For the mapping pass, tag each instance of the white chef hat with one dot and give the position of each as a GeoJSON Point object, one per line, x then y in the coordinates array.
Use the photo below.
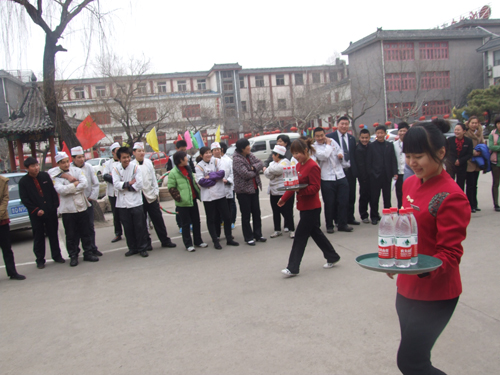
{"type": "Point", "coordinates": [114, 145]}
{"type": "Point", "coordinates": [138, 146]}
{"type": "Point", "coordinates": [279, 150]}
{"type": "Point", "coordinates": [60, 156]}
{"type": "Point", "coordinates": [215, 145]}
{"type": "Point", "coordinates": [77, 151]}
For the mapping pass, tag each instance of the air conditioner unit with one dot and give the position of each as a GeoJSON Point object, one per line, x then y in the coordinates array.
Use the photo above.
{"type": "Point", "coordinates": [489, 74]}
{"type": "Point", "coordinates": [489, 68]}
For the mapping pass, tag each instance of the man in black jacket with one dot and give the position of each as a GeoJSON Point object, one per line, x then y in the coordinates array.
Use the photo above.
{"type": "Point", "coordinates": [382, 168]}
{"type": "Point", "coordinates": [363, 178]}
{"type": "Point", "coordinates": [38, 195]}
{"type": "Point", "coordinates": [348, 145]}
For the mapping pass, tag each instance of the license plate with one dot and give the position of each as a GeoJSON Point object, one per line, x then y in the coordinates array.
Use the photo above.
{"type": "Point", "coordinates": [18, 210]}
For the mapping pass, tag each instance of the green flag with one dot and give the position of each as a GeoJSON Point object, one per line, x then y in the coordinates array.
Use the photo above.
{"type": "Point", "coordinates": [195, 143]}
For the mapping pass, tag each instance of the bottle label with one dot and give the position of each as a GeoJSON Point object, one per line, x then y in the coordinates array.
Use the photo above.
{"type": "Point", "coordinates": [414, 247]}
{"type": "Point", "coordinates": [385, 247]}
{"type": "Point", "coordinates": [403, 248]}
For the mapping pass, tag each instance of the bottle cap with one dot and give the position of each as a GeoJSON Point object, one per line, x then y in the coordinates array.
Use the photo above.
{"type": "Point", "coordinates": [409, 210]}
{"type": "Point", "coordinates": [394, 209]}
{"type": "Point", "coordinates": [386, 211]}
{"type": "Point", "coordinates": [403, 211]}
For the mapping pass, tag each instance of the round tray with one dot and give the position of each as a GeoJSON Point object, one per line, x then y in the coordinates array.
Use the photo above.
{"type": "Point", "coordinates": [295, 187]}
{"type": "Point", "coordinates": [425, 263]}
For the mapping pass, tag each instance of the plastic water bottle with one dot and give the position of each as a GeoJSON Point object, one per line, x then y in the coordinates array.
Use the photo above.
{"type": "Point", "coordinates": [394, 214]}
{"type": "Point", "coordinates": [386, 240]}
{"type": "Point", "coordinates": [414, 236]}
{"type": "Point", "coordinates": [295, 177]}
{"type": "Point", "coordinates": [403, 240]}
{"type": "Point", "coordinates": [285, 177]}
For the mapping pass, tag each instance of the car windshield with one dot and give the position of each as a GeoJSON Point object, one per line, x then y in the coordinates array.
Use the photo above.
{"type": "Point", "coordinates": [148, 156]}
{"type": "Point", "coordinates": [93, 161]}
{"type": "Point", "coordinates": [14, 187]}
{"type": "Point", "coordinates": [230, 151]}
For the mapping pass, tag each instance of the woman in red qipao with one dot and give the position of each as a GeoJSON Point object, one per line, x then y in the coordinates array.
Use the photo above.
{"type": "Point", "coordinates": [425, 302]}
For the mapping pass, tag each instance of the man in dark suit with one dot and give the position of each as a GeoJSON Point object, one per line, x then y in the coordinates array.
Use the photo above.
{"type": "Point", "coordinates": [363, 177]}
{"type": "Point", "coordinates": [348, 145]}
{"type": "Point", "coordinates": [382, 168]}
{"type": "Point", "coordinates": [38, 195]}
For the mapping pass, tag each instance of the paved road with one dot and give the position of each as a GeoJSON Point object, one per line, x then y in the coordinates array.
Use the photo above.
{"type": "Point", "coordinates": [231, 312]}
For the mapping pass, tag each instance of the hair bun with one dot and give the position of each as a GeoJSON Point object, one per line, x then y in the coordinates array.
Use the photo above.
{"type": "Point", "coordinates": [442, 125]}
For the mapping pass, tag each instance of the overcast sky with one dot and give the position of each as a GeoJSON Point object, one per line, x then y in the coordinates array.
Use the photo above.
{"type": "Point", "coordinates": [193, 35]}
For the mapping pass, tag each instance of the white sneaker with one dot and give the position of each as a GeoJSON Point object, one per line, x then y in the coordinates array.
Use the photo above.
{"type": "Point", "coordinates": [330, 265]}
{"type": "Point", "coordinates": [287, 273]}
{"type": "Point", "coordinates": [203, 244]}
{"type": "Point", "coordinates": [292, 234]}
{"type": "Point", "coordinates": [276, 234]}
{"type": "Point", "coordinates": [191, 248]}
{"type": "Point", "coordinates": [286, 230]}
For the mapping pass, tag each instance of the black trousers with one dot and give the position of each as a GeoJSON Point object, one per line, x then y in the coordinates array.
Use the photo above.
{"type": "Point", "coordinates": [116, 218]}
{"type": "Point", "coordinates": [421, 323]}
{"type": "Point", "coordinates": [459, 175]}
{"type": "Point", "coordinates": [335, 197]}
{"type": "Point", "coordinates": [364, 198]}
{"type": "Point", "coordinates": [76, 227]}
{"type": "Point", "coordinates": [212, 209]}
{"type": "Point", "coordinates": [91, 224]}
{"type": "Point", "coordinates": [309, 226]}
{"type": "Point", "coordinates": [249, 205]}
{"type": "Point", "coordinates": [232, 212]}
{"type": "Point", "coordinates": [351, 180]}
{"type": "Point", "coordinates": [48, 224]}
{"type": "Point", "coordinates": [286, 211]}
{"type": "Point", "coordinates": [495, 174]}
{"type": "Point", "coordinates": [190, 216]}
{"type": "Point", "coordinates": [134, 226]}
{"type": "Point", "coordinates": [8, 255]}
{"type": "Point", "coordinates": [376, 185]}
{"type": "Point", "coordinates": [154, 211]}
{"type": "Point", "coordinates": [471, 189]}
{"type": "Point", "coordinates": [178, 218]}
{"type": "Point", "coordinates": [399, 190]}
{"type": "Point", "coordinates": [232, 208]}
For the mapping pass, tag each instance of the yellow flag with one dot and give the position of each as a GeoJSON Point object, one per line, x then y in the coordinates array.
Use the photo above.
{"type": "Point", "coordinates": [217, 135]}
{"type": "Point", "coordinates": [152, 140]}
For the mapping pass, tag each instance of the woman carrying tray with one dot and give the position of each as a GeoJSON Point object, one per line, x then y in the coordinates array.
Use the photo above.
{"type": "Point", "coordinates": [309, 205]}
{"type": "Point", "coordinates": [425, 302]}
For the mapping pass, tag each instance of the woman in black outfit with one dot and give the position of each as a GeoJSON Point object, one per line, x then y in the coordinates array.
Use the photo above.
{"type": "Point", "coordinates": [459, 151]}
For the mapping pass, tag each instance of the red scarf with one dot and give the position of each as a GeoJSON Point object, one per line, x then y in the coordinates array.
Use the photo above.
{"type": "Point", "coordinates": [185, 172]}
{"type": "Point", "coordinates": [459, 143]}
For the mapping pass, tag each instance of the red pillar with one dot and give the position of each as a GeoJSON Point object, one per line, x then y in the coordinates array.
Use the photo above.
{"type": "Point", "coordinates": [33, 149]}
{"type": "Point", "coordinates": [52, 151]}
{"type": "Point", "coordinates": [12, 156]}
{"type": "Point", "coordinates": [20, 153]}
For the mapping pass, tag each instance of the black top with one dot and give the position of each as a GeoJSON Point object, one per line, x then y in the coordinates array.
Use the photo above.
{"type": "Point", "coordinates": [361, 153]}
{"type": "Point", "coordinates": [381, 160]}
{"type": "Point", "coordinates": [31, 198]}
{"type": "Point", "coordinates": [464, 155]}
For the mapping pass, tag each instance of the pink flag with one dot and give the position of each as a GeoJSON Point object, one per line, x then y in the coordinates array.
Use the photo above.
{"type": "Point", "coordinates": [187, 138]}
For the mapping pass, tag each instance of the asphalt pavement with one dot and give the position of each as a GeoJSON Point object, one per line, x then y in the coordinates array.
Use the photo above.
{"type": "Point", "coordinates": [232, 312]}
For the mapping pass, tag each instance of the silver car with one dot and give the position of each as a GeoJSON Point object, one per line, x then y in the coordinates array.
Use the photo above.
{"type": "Point", "coordinates": [18, 214]}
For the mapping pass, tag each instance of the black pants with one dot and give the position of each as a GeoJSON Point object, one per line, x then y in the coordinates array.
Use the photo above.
{"type": "Point", "coordinates": [376, 185]}
{"type": "Point", "coordinates": [190, 216]}
{"type": "Point", "coordinates": [232, 212]}
{"type": "Point", "coordinates": [364, 198]}
{"type": "Point", "coordinates": [286, 211]}
{"type": "Point", "coordinates": [471, 189]}
{"type": "Point", "coordinates": [335, 197]}
{"type": "Point", "coordinates": [212, 209]}
{"type": "Point", "coordinates": [495, 174]}
{"type": "Point", "coordinates": [116, 218]}
{"type": "Point", "coordinates": [249, 205]}
{"type": "Point", "coordinates": [8, 255]}
{"type": "Point", "coordinates": [134, 226]}
{"type": "Point", "coordinates": [232, 208]}
{"type": "Point", "coordinates": [91, 224]}
{"type": "Point", "coordinates": [399, 190]}
{"type": "Point", "coordinates": [421, 324]}
{"type": "Point", "coordinates": [154, 211]}
{"type": "Point", "coordinates": [459, 175]}
{"type": "Point", "coordinates": [48, 224]}
{"type": "Point", "coordinates": [76, 227]}
{"type": "Point", "coordinates": [309, 226]}
{"type": "Point", "coordinates": [178, 218]}
{"type": "Point", "coordinates": [351, 180]}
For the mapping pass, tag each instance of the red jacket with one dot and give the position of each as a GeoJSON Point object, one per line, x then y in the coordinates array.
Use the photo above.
{"type": "Point", "coordinates": [442, 216]}
{"type": "Point", "coordinates": [307, 198]}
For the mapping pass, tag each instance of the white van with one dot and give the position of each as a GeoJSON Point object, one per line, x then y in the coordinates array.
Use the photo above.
{"type": "Point", "coordinates": [263, 145]}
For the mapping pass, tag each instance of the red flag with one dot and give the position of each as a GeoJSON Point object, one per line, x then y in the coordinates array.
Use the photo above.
{"type": "Point", "coordinates": [179, 137]}
{"type": "Point", "coordinates": [66, 150]}
{"type": "Point", "coordinates": [88, 133]}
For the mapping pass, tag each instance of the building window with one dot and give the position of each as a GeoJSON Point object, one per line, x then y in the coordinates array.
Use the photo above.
{"type": "Point", "coordinates": [259, 81]}
{"type": "Point", "coordinates": [181, 86]}
{"type": "Point", "coordinates": [228, 86]}
{"type": "Point", "coordinates": [435, 80]}
{"type": "Point", "coordinates": [261, 105]}
{"type": "Point", "coordinates": [244, 105]}
{"type": "Point", "coordinates": [394, 51]}
{"type": "Point", "coordinates": [436, 107]}
{"type": "Point", "coordinates": [400, 81]}
{"type": "Point", "coordinates": [142, 88]}
{"type": "Point", "coordinates": [227, 74]}
{"type": "Point", "coordinates": [202, 84]}
{"type": "Point", "coordinates": [79, 92]}
{"type": "Point", "coordinates": [496, 81]}
{"type": "Point", "coordinates": [316, 77]}
{"type": "Point", "coordinates": [281, 104]}
{"type": "Point", "coordinates": [189, 111]}
{"type": "Point", "coordinates": [100, 91]}
{"type": "Point", "coordinates": [433, 50]}
{"type": "Point", "coordinates": [399, 110]}
{"type": "Point", "coordinates": [242, 82]}
{"type": "Point", "coordinates": [333, 77]}
{"type": "Point", "coordinates": [162, 87]}
{"type": "Point", "coordinates": [229, 112]}
{"type": "Point", "coordinates": [229, 99]}
{"type": "Point", "coordinates": [496, 58]}
{"type": "Point", "coordinates": [280, 80]}
{"type": "Point", "coordinates": [101, 118]}
{"type": "Point", "coordinates": [299, 79]}
{"type": "Point", "coordinates": [146, 114]}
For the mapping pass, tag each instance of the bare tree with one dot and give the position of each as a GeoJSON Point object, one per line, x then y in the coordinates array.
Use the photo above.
{"type": "Point", "coordinates": [198, 113]}
{"type": "Point", "coordinates": [261, 115]}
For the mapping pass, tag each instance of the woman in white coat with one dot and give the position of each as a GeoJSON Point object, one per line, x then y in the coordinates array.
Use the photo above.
{"type": "Point", "coordinates": [211, 177]}
{"type": "Point", "coordinates": [275, 175]}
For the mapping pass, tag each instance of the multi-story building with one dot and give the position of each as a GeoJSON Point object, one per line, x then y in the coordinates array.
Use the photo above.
{"type": "Point", "coordinates": [12, 91]}
{"type": "Point", "coordinates": [491, 51]}
{"type": "Point", "coordinates": [405, 74]}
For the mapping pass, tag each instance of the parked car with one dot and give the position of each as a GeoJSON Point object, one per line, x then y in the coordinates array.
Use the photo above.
{"type": "Point", "coordinates": [98, 165]}
{"type": "Point", "coordinates": [18, 214]}
{"type": "Point", "coordinates": [263, 145]}
{"type": "Point", "coordinates": [230, 151]}
{"type": "Point", "coordinates": [159, 159]}
{"type": "Point", "coordinates": [392, 133]}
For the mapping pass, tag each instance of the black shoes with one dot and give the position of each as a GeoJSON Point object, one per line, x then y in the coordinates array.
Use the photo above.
{"type": "Point", "coordinates": [497, 208]}
{"type": "Point", "coordinates": [90, 258]}
{"type": "Point", "coordinates": [354, 222]}
{"type": "Point", "coordinates": [149, 248]}
{"type": "Point", "coordinates": [60, 260]}
{"type": "Point", "coordinates": [347, 228]}
{"type": "Point", "coordinates": [330, 230]}
{"type": "Point", "coordinates": [40, 266]}
{"type": "Point", "coordinates": [473, 210]}
{"type": "Point", "coordinates": [144, 254]}
{"type": "Point", "coordinates": [261, 239]}
{"type": "Point", "coordinates": [478, 209]}
{"type": "Point", "coordinates": [18, 277]}
{"type": "Point", "coordinates": [217, 245]}
{"type": "Point", "coordinates": [374, 221]}
{"type": "Point", "coordinates": [74, 262]}
{"type": "Point", "coordinates": [116, 239]}
{"type": "Point", "coordinates": [130, 253]}
{"type": "Point", "coordinates": [97, 253]}
{"type": "Point", "coordinates": [232, 243]}
{"type": "Point", "coordinates": [168, 244]}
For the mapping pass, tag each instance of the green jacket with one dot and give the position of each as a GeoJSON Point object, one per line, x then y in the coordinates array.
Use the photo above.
{"type": "Point", "coordinates": [492, 147]}
{"type": "Point", "coordinates": [178, 181]}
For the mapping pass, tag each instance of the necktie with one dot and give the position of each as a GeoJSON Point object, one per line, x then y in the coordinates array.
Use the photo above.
{"type": "Point", "coordinates": [346, 150]}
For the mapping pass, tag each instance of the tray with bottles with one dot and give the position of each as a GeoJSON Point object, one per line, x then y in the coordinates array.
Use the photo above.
{"type": "Point", "coordinates": [425, 264]}
{"type": "Point", "coordinates": [293, 187]}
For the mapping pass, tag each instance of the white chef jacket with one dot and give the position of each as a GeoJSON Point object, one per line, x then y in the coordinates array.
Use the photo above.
{"type": "Point", "coordinates": [400, 156]}
{"type": "Point", "coordinates": [227, 165]}
{"type": "Point", "coordinates": [72, 198]}
{"type": "Point", "coordinates": [124, 197]}
{"type": "Point", "coordinates": [108, 169]}
{"type": "Point", "coordinates": [215, 192]}
{"type": "Point", "coordinates": [92, 189]}
{"type": "Point", "coordinates": [275, 175]}
{"type": "Point", "coordinates": [149, 182]}
{"type": "Point", "coordinates": [327, 158]}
